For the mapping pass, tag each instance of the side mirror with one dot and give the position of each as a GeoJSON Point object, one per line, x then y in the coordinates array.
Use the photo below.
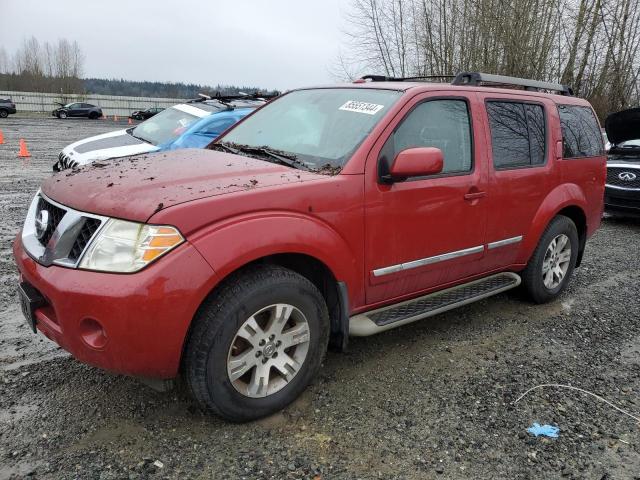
{"type": "Point", "coordinates": [416, 162]}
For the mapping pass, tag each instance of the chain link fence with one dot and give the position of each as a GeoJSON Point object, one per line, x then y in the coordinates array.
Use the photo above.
{"type": "Point", "coordinates": [44, 103]}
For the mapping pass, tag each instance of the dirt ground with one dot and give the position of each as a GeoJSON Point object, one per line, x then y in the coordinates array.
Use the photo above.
{"type": "Point", "coordinates": [431, 400]}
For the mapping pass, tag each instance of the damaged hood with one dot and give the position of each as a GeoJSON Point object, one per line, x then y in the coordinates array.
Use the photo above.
{"type": "Point", "coordinates": [134, 188]}
{"type": "Point", "coordinates": [623, 126]}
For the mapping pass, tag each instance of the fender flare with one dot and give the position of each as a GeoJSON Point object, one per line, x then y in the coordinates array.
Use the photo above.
{"type": "Point", "coordinates": [233, 243]}
{"type": "Point", "coordinates": [562, 196]}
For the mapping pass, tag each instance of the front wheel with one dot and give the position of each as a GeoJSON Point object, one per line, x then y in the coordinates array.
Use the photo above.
{"type": "Point", "coordinates": [553, 261]}
{"type": "Point", "coordinates": [256, 343]}
{"type": "Point", "coordinates": [62, 115]}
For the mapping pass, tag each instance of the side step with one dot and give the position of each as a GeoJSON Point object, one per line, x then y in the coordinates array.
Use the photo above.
{"type": "Point", "coordinates": [393, 316]}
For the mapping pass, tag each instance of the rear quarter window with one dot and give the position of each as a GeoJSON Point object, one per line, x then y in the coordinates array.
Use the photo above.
{"type": "Point", "coordinates": [581, 135]}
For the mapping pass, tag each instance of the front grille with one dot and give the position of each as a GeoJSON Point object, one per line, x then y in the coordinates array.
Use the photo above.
{"type": "Point", "coordinates": [64, 162]}
{"type": "Point", "coordinates": [55, 215]}
{"type": "Point", "coordinates": [613, 177]}
{"type": "Point", "coordinates": [90, 227]}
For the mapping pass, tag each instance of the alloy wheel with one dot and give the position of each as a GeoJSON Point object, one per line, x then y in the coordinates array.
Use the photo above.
{"type": "Point", "coordinates": [268, 350]}
{"type": "Point", "coordinates": [556, 261]}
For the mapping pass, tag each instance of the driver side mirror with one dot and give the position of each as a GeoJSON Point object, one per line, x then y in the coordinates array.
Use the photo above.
{"type": "Point", "coordinates": [416, 162]}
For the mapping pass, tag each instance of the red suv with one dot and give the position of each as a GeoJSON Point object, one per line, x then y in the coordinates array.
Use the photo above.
{"type": "Point", "coordinates": [329, 212]}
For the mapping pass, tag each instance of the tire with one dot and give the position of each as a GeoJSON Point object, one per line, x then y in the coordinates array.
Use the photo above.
{"type": "Point", "coordinates": [4, 113]}
{"type": "Point", "coordinates": [62, 115]}
{"type": "Point", "coordinates": [93, 116]}
{"type": "Point", "coordinates": [535, 277]}
{"type": "Point", "coordinates": [257, 293]}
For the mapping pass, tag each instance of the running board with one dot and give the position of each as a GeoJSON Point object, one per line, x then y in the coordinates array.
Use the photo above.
{"type": "Point", "coordinates": [393, 316]}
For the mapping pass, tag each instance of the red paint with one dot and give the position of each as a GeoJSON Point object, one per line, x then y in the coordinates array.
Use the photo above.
{"type": "Point", "coordinates": [416, 162]}
{"type": "Point", "coordinates": [233, 210]}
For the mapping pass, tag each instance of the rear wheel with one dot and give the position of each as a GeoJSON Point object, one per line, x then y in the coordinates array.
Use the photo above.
{"type": "Point", "coordinates": [4, 113]}
{"type": "Point", "coordinates": [93, 115]}
{"type": "Point", "coordinates": [551, 266]}
{"type": "Point", "coordinates": [256, 343]}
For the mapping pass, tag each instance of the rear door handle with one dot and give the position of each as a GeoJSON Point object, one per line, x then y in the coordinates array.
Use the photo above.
{"type": "Point", "coordinates": [474, 195]}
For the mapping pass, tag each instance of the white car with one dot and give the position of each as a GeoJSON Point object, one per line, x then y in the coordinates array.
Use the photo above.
{"type": "Point", "coordinates": [149, 136]}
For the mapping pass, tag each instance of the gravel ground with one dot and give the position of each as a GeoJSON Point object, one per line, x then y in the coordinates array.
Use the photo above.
{"type": "Point", "coordinates": [431, 400]}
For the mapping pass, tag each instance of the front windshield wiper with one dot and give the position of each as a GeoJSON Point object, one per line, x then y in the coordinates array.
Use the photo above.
{"type": "Point", "coordinates": [282, 158]}
{"type": "Point", "coordinates": [139, 138]}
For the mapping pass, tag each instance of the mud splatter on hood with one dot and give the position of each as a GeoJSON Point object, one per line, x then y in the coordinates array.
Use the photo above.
{"type": "Point", "coordinates": [135, 188]}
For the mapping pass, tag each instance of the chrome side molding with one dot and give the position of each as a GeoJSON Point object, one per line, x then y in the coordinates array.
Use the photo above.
{"type": "Point", "coordinates": [502, 243]}
{"type": "Point", "coordinates": [426, 261]}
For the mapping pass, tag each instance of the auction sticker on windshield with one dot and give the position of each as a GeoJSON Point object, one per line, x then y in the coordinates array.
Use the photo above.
{"type": "Point", "coordinates": [361, 107]}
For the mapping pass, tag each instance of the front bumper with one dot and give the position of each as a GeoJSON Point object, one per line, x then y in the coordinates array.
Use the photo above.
{"type": "Point", "coordinates": [134, 324]}
{"type": "Point", "coordinates": [622, 201]}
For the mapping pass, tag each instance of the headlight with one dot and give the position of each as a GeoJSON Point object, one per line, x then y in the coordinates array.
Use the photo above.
{"type": "Point", "coordinates": [123, 246]}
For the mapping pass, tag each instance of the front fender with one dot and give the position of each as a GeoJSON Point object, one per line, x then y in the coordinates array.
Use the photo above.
{"type": "Point", "coordinates": [565, 195]}
{"type": "Point", "coordinates": [233, 243]}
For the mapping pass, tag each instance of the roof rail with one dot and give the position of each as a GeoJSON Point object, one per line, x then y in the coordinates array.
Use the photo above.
{"type": "Point", "coordinates": [477, 78]}
{"type": "Point", "coordinates": [382, 78]}
{"type": "Point", "coordinates": [227, 98]}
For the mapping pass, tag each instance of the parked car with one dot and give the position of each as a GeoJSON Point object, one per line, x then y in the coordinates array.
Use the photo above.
{"type": "Point", "coordinates": [145, 114]}
{"type": "Point", "coordinates": [622, 192]}
{"type": "Point", "coordinates": [331, 211]}
{"type": "Point", "coordinates": [77, 109]}
{"type": "Point", "coordinates": [156, 134]}
{"type": "Point", "coordinates": [7, 107]}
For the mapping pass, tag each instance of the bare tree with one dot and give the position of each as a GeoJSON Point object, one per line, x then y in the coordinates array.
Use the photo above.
{"type": "Point", "coordinates": [590, 44]}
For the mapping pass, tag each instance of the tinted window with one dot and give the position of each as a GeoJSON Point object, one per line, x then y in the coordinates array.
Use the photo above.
{"type": "Point", "coordinates": [517, 134]}
{"type": "Point", "coordinates": [443, 124]}
{"type": "Point", "coordinates": [580, 132]}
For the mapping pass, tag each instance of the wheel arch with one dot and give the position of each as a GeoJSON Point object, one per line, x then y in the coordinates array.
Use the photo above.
{"type": "Point", "coordinates": [566, 199]}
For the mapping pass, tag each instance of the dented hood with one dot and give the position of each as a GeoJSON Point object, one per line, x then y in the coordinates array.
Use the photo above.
{"type": "Point", "coordinates": [623, 126]}
{"type": "Point", "coordinates": [134, 188]}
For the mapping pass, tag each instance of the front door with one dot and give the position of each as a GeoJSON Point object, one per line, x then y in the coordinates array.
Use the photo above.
{"type": "Point", "coordinates": [427, 231]}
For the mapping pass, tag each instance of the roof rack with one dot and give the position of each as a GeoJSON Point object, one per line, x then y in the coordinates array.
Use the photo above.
{"type": "Point", "coordinates": [382, 78]}
{"type": "Point", "coordinates": [228, 98]}
{"type": "Point", "coordinates": [477, 79]}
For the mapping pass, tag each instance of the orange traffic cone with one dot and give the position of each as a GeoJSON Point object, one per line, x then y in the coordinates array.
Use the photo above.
{"type": "Point", "coordinates": [129, 122]}
{"type": "Point", "coordinates": [24, 153]}
{"type": "Point", "coordinates": [115, 118]}
{"type": "Point", "coordinates": [1, 138]}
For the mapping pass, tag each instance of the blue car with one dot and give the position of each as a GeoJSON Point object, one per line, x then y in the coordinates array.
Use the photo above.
{"type": "Point", "coordinates": [201, 133]}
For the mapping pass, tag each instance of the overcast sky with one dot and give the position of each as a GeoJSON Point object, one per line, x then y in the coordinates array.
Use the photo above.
{"type": "Point", "coordinates": [272, 44]}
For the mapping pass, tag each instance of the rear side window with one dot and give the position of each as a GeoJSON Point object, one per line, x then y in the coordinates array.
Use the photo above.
{"type": "Point", "coordinates": [517, 134]}
{"type": "Point", "coordinates": [580, 132]}
{"type": "Point", "coordinates": [443, 124]}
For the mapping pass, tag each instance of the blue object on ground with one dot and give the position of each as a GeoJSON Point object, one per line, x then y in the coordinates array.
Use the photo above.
{"type": "Point", "coordinates": [545, 430]}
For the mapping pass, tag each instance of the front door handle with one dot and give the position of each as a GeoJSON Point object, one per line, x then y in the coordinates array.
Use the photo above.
{"type": "Point", "coordinates": [474, 195]}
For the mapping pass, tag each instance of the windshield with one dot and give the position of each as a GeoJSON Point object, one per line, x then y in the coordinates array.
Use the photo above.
{"type": "Point", "coordinates": [164, 126]}
{"type": "Point", "coordinates": [319, 127]}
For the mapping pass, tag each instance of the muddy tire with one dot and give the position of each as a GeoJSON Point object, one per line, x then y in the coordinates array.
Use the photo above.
{"type": "Point", "coordinates": [256, 343]}
{"type": "Point", "coordinates": [550, 268]}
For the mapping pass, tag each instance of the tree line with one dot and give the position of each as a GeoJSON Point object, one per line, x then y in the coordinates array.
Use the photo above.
{"type": "Point", "coordinates": [591, 45]}
{"type": "Point", "coordinates": [58, 67]}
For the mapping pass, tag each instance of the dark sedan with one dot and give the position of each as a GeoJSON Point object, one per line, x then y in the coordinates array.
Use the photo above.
{"type": "Point", "coordinates": [78, 109]}
{"type": "Point", "coordinates": [622, 190]}
{"type": "Point", "coordinates": [144, 114]}
{"type": "Point", "coordinates": [7, 107]}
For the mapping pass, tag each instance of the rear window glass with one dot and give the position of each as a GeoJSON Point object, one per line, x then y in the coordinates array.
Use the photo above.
{"type": "Point", "coordinates": [517, 134]}
{"type": "Point", "coordinates": [580, 132]}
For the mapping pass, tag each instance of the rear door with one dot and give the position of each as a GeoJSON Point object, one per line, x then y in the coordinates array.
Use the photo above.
{"type": "Point", "coordinates": [521, 170]}
{"type": "Point", "coordinates": [426, 231]}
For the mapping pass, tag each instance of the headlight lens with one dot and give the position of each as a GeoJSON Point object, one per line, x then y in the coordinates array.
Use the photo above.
{"type": "Point", "coordinates": [123, 246]}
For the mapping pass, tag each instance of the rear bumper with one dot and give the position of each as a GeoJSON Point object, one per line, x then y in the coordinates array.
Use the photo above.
{"type": "Point", "coordinates": [622, 201]}
{"type": "Point", "coordinates": [134, 324]}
